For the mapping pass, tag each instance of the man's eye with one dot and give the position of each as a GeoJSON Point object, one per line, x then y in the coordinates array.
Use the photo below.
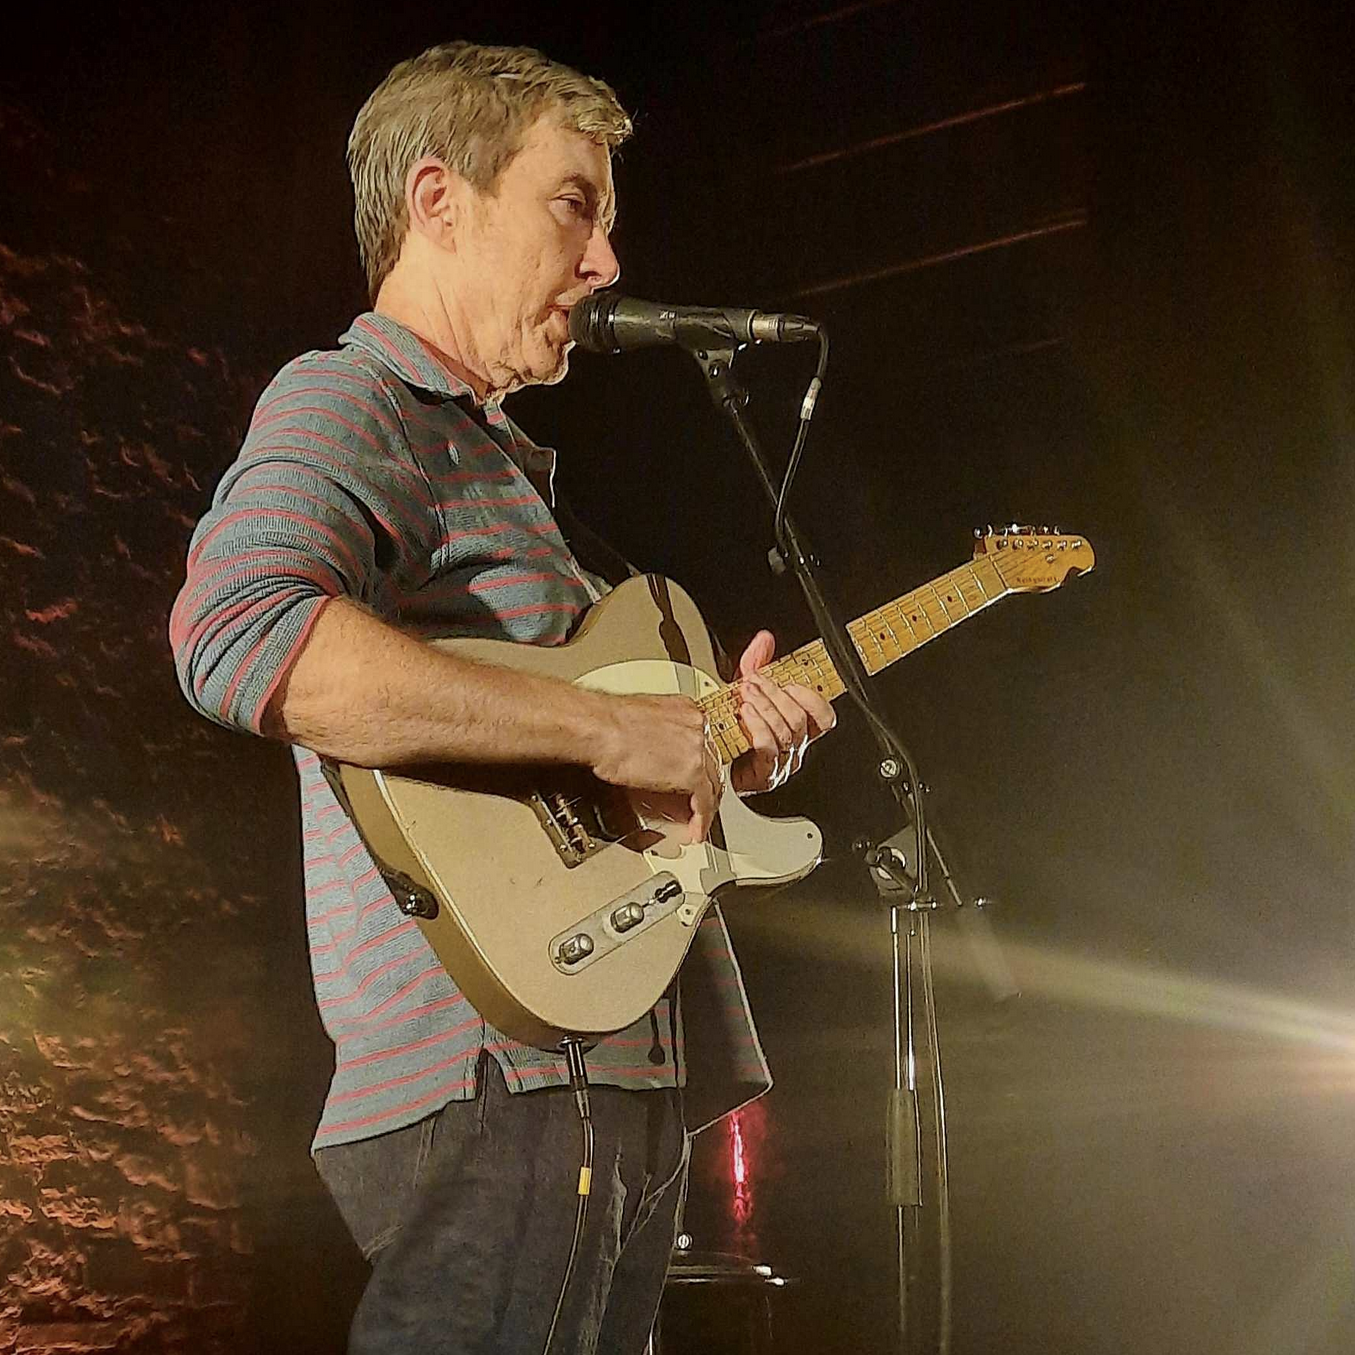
{"type": "Point", "coordinates": [576, 205]}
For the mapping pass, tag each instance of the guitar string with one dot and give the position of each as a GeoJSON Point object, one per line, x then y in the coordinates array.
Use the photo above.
{"type": "Point", "coordinates": [721, 706]}
{"type": "Point", "coordinates": [810, 664]}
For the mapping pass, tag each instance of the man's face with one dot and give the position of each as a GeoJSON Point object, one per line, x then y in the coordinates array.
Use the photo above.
{"type": "Point", "coordinates": [527, 251]}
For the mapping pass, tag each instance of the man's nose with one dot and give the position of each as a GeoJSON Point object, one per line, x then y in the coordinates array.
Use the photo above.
{"type": "Point", "coordinates": [599, 260]}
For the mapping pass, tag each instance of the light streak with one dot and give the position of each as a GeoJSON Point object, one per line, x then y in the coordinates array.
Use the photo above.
{"type": "Point", "coordinates": [1114, 985]}
{"type": "Point", "coordinates": [740, 1168]}
{"type": "Point", "coordinates": [940, 125]}
{"type": "Point", "coordinates": [796, 26]}
{"type": "Point", "coordinates": [1074, 221]}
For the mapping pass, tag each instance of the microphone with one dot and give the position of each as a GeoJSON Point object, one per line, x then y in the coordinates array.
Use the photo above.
{"type": "Point", "coordinates": [607, 322]}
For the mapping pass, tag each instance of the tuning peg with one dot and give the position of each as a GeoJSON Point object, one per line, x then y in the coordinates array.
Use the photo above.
{"type": "Point", "coordinates": [1044, 531]}
{"type": "Point", "coordinates": [978, 533]}
{"type": "Point", "coordinates": [1056, 529]}
{"type": "Point", "coordinates": [1014, 528]}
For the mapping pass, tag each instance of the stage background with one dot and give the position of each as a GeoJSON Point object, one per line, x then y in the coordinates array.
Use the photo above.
{"type": "Point", "coordinates": [1075, 271]}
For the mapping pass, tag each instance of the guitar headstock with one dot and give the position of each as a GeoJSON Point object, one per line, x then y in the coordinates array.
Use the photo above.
{"type": "Point", "coordinates": [1030, 561]}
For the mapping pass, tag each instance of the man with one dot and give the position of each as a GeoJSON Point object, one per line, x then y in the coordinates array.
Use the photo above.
{"type": "Point", "coordinates": [383, 497]}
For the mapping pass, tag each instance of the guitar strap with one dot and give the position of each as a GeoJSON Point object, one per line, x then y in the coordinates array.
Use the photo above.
{"type": "Point", "coordinates": [600, 557]}
{"type": "Point", "coordinates": [592, 552]}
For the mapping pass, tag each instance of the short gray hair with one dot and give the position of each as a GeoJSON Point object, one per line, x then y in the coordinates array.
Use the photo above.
{"type": "Point", "coordinates": [471, 107]}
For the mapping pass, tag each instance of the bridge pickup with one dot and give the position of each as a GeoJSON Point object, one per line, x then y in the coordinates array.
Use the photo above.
{"type": "Point", "coordinates": [582, 815]}
{"type": "Point", "coordinates": [617, 921]}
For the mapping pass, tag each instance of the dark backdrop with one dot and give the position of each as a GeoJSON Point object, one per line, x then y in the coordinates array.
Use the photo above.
{"type": "Point", "coordinates": [1076, 270]}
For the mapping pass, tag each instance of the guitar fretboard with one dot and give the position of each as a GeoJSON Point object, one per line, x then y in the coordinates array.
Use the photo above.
{"type": "Point", "coordinates": [881, 637]}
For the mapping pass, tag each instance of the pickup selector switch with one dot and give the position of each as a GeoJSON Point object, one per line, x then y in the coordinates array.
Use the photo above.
{"type": "Point", "coordinates": [664, 892]}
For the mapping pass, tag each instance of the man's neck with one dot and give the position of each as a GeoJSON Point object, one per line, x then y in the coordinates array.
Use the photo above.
{"type": "Point", "coordinates": [422, 312]}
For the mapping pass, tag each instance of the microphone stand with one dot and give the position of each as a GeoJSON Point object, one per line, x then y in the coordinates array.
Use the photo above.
{"type": "Point", "coordinates": [897, 867]}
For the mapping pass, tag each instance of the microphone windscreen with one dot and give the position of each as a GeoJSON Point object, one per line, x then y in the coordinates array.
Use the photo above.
{"type": "Point", "coordinates": [590, 323]}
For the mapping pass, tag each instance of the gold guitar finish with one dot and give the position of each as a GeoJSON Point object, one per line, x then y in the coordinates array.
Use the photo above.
{"type": "Point", "coordinates": [518, 863]}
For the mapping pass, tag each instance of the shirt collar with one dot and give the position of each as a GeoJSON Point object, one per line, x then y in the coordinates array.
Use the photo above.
{"type": "Point", "coordinates": [405, 354]}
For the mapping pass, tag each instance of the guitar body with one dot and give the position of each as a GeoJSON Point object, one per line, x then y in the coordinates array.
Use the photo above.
{"type": "Point", "coordinates": [562, 906]}
{"type": "Point", "coordinates": [515, 861]}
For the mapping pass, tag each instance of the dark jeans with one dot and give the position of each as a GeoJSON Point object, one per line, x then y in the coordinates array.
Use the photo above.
{"type": "Point", "coordinates": [467, 1218]}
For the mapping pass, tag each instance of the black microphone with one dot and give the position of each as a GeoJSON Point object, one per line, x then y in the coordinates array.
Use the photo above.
{"type": "Point", "coordinates": [607, 322]}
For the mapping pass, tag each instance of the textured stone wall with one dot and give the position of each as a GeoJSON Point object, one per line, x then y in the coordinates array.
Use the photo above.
{"type": "Point", "coordinates": [153, 1019]}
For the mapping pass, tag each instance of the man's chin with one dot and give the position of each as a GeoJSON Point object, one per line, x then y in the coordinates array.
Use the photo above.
{"type": "Point", "coordinates": [551, 367]}
{"type": "Point", "coordinates": [554, 369]}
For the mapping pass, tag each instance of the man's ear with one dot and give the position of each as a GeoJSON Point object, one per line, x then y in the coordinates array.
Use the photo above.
{"type": "Point", "coordinates": [435, 198]}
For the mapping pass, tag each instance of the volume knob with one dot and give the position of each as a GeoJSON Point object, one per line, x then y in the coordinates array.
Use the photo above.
{"type": "Point", "coordinates": [627, 916]}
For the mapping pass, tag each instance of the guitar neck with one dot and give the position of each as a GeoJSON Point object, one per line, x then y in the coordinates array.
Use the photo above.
{"type": "Point", "coordinates": [881, 637]}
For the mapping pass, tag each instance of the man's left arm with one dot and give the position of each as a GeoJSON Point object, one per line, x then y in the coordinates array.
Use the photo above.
{"type": "Point", "coordinates": [780, 722]}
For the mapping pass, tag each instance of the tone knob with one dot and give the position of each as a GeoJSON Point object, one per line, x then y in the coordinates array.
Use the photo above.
{"type": "Point", "coordinates": [576, 948]}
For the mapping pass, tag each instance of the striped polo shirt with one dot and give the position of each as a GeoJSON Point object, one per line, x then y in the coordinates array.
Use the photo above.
{"type": "Point", "coordinates": [372, 472]}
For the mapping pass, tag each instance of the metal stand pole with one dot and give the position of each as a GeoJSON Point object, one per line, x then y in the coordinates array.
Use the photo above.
{"type": "Point", "coordinates": [903, 1129]}
{"type": "Point", "coordinates": [894, 867]}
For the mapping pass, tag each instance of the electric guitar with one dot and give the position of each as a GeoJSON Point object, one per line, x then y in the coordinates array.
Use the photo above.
{"type": "Point", "coordinates": [561, 905]}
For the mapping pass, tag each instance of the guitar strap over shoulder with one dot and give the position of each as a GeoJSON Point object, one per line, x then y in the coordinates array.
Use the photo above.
{"type": "Point", "coordinates": [603, 559]}
{"type": "Point", "coordinates": [591, 551]}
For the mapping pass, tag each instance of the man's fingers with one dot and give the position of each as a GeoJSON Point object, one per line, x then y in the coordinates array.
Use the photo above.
{"type": "Point", "coordinates": [758, 653]}
{"type": "Point", "coordinates": [697, 825]}
{"type": "Point", "coordinates": [778, 718]}
{"type": "Point", "coordinates": [819, 716]}
{"type": "Point", "coordinates": [705, 800]}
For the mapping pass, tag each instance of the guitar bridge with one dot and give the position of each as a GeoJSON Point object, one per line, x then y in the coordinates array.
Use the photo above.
{"type": "Point", "coordinates": [581, 825]}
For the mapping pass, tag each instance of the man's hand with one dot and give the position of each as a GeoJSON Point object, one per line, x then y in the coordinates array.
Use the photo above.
{"type": "Point", "coordinates": [661, 744]}
{"type": "Point", "coordinates": [780, 722]}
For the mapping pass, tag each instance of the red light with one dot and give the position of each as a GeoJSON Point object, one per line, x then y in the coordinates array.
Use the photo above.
{"type": "Point", "coordinates": [743, 1196]}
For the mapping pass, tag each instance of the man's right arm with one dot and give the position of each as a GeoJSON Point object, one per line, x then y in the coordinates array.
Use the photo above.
{"type": "Point", "coordinates": [270, 636]}
{"type": "Point", "coordinates": [364, 692]}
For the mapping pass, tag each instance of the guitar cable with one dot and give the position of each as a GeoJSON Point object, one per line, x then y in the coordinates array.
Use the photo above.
{"type": "Point", "coordinates": [578, 1083]}
{"type": "Point", "coordinates": [811, 398]}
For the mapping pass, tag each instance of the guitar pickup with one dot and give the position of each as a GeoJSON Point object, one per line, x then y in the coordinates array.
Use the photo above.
{"type": "Point", "coordinates": [612, 925]}
{"type": "Point", "coordinates": [583, 815]}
